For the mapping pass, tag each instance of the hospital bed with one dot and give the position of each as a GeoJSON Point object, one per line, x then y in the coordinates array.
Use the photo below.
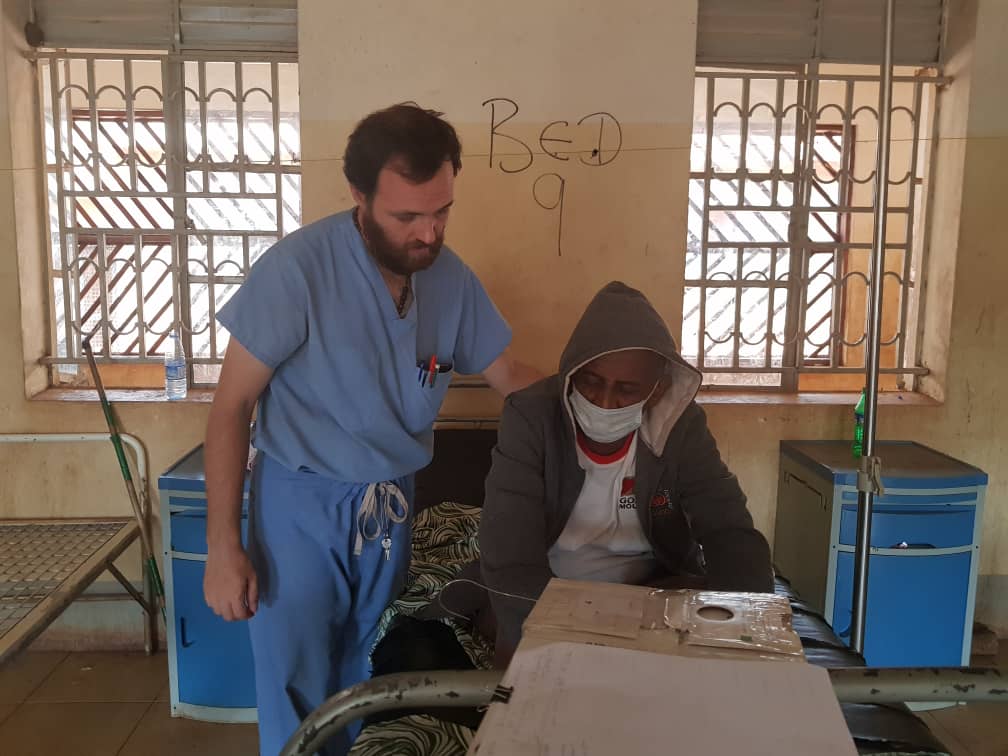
{"type": "Point", "coordinates": [437, 707]}
{"type": "Point", "coordinates": [45, 564]}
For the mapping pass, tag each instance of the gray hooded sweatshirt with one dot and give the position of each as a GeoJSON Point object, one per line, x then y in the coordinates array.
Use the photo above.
{"type": "Point", "coordinates": [691, 507]}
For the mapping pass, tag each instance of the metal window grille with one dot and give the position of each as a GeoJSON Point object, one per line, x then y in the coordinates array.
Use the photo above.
{"type": "Point", "coordinates": [780, 224]}
{"type": "Point", "coordinates": [167, 177]}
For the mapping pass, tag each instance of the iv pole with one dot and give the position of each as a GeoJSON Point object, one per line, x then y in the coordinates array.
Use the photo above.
{"type": "Point", "coordinates": [869, 474]}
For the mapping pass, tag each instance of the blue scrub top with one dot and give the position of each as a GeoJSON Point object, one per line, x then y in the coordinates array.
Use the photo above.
{"type": "Point", "coordinates": [345, 400]}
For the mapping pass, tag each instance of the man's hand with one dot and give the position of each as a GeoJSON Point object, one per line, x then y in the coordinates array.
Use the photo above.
{"type": "Point", "coordinates": [507, 375]}
{"type": "Point", "coordinates": [230, 586]}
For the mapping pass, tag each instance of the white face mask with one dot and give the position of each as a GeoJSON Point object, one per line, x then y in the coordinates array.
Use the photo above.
{"type": "Point", "coordinates": [607, 425]}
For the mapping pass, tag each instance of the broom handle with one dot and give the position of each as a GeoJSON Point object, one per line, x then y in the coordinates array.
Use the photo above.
{"type": "Point", "coordinates": [124, 467]}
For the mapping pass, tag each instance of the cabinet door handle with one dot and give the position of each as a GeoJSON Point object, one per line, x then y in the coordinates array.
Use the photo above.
{"type": "Point", "coordinates": [845, 633]}
{"type": "Point", "coordinates": [182, 634]}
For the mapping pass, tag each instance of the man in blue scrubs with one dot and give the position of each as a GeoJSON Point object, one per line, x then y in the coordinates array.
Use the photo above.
{"type": "Point", "coordinates": [345, 334]}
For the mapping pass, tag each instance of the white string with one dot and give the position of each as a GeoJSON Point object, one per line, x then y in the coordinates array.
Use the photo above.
{"type": "Point", "coordinates": [486, 588]}
{"type": "Point", "coordinates": [377, 510]}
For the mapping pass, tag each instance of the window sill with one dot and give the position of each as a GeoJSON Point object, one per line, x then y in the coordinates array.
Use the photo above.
{"type": "Point", "coordinates": [813, 398]}
{"type": "Point", "coordinates": [122, 396]}
{"type": "Point", "coordinates": [705, 397]}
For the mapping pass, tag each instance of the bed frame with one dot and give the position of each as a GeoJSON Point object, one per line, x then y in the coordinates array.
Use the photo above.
{"type": "Point", "coordinates": [449, 688]}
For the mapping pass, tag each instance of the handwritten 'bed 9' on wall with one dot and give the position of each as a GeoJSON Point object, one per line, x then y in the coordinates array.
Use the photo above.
{"type": "Point", "coordinates": [594, 139]}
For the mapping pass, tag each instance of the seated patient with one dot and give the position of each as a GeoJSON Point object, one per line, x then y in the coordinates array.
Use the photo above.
{"type": "Point", "coordinates": [607, 471]}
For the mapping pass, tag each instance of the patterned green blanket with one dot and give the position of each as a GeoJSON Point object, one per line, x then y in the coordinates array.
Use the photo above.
{"type": "Point", "coordinates": [444, 540]}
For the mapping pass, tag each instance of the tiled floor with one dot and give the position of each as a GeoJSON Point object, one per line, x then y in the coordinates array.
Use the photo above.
{"type": "Point", "coordinates": [112, 704]}
{"type": "Point", "coordinates": [102, 704]}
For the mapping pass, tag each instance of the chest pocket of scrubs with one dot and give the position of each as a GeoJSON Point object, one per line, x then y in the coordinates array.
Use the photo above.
{"type": "Point", "coordinates": [424, 408]}
{"type": "Point", "coordinates": [421, 404]}
{"type": "Point", "coordinates": [429, 338]}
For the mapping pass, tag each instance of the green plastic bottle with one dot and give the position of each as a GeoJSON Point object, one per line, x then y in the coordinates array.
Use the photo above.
{"type": "Point", "coordinates": [859, 408]}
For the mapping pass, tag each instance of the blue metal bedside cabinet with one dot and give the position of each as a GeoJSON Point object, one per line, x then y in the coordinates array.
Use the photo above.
{"type": "Point", "coordinates": [925, 546]}
{"type": "Point", "coordinates": [209, 660]}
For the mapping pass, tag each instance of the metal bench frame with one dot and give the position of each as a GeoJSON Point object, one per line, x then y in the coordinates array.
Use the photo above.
{"type": "Point", "coordinates": [42, 606]}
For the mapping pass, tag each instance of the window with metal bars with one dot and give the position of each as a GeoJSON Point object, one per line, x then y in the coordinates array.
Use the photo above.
{"type": "Point", "coordinates": [780, 226]}
{"type": "Point", "coordinates": [167, 177]}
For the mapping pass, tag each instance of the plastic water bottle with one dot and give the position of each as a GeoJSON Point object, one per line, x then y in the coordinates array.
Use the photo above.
{"type": "Point", "coordinates": [859, 408]}
{"type": "Point", "coordinates": [175, 380]}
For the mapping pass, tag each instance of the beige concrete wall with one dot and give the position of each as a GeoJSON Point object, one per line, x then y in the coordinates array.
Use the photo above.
{"type": "Point", "coordinates": [626, 220]}
{"type": "Point", "coordinates": [556, 62]}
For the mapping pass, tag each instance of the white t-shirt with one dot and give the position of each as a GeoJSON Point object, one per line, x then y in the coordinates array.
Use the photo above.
{"type": "Point", "coordinates": [603, 539]}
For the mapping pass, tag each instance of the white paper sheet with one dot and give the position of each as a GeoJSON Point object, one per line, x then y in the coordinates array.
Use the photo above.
{"type": "Point", "coordinates": [574, 699]}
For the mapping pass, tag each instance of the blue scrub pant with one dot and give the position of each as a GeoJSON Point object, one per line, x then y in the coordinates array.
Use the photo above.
{"type": "Point", "coordinates": [319, 604]}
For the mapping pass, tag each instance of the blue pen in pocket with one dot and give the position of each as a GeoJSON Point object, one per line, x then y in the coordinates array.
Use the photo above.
{"type": "Point", "coordinates": [429, 369]}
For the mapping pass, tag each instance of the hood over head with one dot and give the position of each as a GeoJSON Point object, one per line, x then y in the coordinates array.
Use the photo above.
{"type": "Point", "coordinates": [620, 318]}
